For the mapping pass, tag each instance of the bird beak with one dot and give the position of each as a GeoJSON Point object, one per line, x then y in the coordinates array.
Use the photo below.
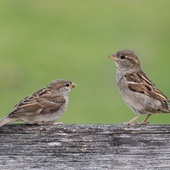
{"type": "Point", "coordinates": [113, 57]}
{"type": "Point", "coordinates": [73, 85]}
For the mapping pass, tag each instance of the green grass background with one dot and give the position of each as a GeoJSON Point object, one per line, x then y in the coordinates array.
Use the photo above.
{"type": "Point", "coordinates": [43, 40]}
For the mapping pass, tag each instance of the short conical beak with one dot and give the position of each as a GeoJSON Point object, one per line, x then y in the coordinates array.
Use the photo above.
{"type": "Point", "coordinates": [113, 57]}
{"type": "Point", "coordinates": [73, 85]}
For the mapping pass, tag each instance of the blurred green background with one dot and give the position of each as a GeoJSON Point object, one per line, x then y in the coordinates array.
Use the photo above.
{"type": "Point", "coordinates": [44, 40]}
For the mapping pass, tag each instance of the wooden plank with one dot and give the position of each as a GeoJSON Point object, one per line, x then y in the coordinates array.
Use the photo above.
{"type": "Point", "coordinates": [83, 147]}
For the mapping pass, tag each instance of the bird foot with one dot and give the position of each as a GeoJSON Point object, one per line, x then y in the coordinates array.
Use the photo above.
{"type": "Point", "coordinates": [144, 123]}
{"type": "Point", "coordinates": [133, 123]}
{"type": "Point", "coordinates": [46, 123]}
{"type": "Point", "coordinates": [51, 123]}
{"type": "Point", "coordinates": [58, 123]}
{"type": "Point", "coordinates": [129, 123]}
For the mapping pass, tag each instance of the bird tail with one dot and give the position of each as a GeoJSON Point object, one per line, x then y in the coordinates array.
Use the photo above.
{"type": "Point", "coordinates": [5, 120]}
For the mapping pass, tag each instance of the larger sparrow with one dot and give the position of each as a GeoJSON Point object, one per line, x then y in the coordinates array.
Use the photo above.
{"type": "Point", "coordinates": [42, 107]}
{"type": "Point", "coordinates": [136, 89]}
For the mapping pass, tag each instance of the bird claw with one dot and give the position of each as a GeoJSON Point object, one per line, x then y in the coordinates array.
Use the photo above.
{"type": "Point", "coordinates": [144, 123]}
{"type": "Point", "coordinates": [46, 123]}
{"type": "Point", "coordinates": [133, 123]}
{"type": "Point", "coordinates": [129, 123]}
{"type": "Point", "coordinates": [58, 123]}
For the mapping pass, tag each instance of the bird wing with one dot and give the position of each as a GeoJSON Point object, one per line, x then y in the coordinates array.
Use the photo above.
{"type": "Point", "coordinates": [140, 83]}
{"type": "Point", "coordinates": [41, 102]}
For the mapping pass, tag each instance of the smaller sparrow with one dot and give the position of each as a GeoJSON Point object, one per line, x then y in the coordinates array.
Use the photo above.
{"type": "Point", "coordinates": [135, 88]}
{"type": "Point", "coordinates": [42, 107]}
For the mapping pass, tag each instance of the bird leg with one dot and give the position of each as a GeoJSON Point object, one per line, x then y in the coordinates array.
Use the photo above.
{"type": "Point", "coordinates": [131, 122]}
{"type": "Point", "coordinates": [144, 122]}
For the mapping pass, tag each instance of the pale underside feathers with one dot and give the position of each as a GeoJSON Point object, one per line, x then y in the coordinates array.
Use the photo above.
{"type": "Point", "coordinates": [44, 106]}
{"type": "Point", "coordinates": [136, 89]}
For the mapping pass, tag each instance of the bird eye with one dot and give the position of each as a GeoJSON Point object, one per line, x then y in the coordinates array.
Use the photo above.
{"type": "Point", "coordinates": [67, 85]}
{"type": "Point", "coordinates": [122, 57]}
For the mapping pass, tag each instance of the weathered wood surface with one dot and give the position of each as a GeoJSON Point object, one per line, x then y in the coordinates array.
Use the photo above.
{"type": "Point", "coordinates": [81, 147]}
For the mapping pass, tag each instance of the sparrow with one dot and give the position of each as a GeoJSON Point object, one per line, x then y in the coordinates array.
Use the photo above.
{"type": "Point", "coordinates": [135, 88]}
{"type": "Point", "coordinates": [42, 107]}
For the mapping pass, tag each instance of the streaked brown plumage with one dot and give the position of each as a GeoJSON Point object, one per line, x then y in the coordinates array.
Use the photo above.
{"type": "Point", "coordinates": [136, 89]}
{"type": "Point", "coordinates": [42, 107]}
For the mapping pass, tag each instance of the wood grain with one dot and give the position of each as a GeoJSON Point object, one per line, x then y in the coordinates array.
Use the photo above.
{"type": "Point", "coordinates": [83, 147]}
